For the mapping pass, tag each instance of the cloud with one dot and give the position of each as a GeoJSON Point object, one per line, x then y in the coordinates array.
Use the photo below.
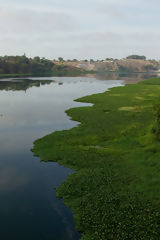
{"type": "Point", "coordinates": [34, 21]}
{"type": "Point", "coordinates": [112, 11]}
{"type": "Point", "coordinates": [79, 29]}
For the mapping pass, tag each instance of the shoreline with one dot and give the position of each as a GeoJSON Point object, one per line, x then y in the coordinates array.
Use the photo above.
{"type": "Point", "coordinates": [108, 184]}
{"type": "Point", "coordinates": [73, 73]}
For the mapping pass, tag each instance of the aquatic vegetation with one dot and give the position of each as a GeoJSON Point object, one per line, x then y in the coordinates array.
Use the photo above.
{"type": "Point", "coordinates": [115, 191]}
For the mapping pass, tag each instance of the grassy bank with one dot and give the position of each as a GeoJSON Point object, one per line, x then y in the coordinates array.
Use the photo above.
{"type": "Point", "coordinates": [49, 74]}
{"type": "Point", "coordinates": [115, 191]}
{"type": "Point", "coordinates": [69, 73]}
{"type": "Point", "coordinates": [14, 75]}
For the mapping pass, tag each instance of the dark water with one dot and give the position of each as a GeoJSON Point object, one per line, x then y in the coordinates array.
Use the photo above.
{"type": "Point", "coordinates": [29, 109]}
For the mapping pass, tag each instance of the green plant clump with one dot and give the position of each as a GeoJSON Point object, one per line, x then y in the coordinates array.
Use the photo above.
{"type": "Point", "coordinates": [114, 192]}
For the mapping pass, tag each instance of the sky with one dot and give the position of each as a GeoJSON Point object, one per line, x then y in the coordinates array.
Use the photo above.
{"type": "Point", "coordinates": [81, 29]}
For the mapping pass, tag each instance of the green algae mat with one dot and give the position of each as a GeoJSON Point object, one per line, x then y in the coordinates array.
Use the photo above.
{"type": "Point", "coordinates": [114, 192]}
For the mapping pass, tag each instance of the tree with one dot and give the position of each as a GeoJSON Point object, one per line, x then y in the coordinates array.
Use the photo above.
{"type": "Point", "coordinates": [37, 59]}
{"type": "Point", "coordinates": [136, 57]}
{"type": "Point", "coordinates": [24, 65]}
{"type": "Point", "coordinates": [61, 59]}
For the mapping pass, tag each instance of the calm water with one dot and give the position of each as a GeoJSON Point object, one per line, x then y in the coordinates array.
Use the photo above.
{"type": "Point", "coordinates": [29, 109]}
{"type": "Point", "coordinates": [127, 78]}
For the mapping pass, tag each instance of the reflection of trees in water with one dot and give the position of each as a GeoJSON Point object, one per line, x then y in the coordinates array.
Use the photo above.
{"type": "Point", "coordinates": [127, 77]}
{"type": "Point", "coordinates": [22, 84]}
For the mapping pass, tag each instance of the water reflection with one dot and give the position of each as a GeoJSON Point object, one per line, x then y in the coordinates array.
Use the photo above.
{"type": "Point", "coordinates": [128, 78]}
{"type": "Point", "coordinates": [21, 84]}
{"type": "Point", "coordinates": [11, 179]}
{"type": "Point", "coordinates": [29, 208]}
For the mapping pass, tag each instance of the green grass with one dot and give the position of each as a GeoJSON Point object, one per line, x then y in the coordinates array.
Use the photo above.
{"type": "Point", "coordinates": [11, 75]}
{"type": "Point", "coordinates": [14, 75]}
{"type": "Point", "coordinates": [115, 191]}
{"type": "Point", "coordinates": [55, 73]}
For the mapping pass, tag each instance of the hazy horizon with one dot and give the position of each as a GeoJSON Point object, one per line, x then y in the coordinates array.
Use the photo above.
{"type": "Point", "coordinates": [80, 29]}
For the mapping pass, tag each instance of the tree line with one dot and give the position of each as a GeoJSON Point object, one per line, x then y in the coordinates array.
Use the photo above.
{"type": "Point", "coordinates": [25, 65]}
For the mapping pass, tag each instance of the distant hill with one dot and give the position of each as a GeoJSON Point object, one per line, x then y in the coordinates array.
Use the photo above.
{"type": "Point", "coordinates": [128, 64]}
{"type": "Point", "coordinates": [22, 65]}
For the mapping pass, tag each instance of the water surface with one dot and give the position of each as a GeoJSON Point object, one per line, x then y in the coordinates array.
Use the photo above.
{"type": "Point", "coordinates": [30, 109]}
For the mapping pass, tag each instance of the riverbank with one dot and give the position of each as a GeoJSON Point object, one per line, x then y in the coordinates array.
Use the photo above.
{"type": "Point", "coordinates": [114, 193]}
{"type": "Point", "coordinates": [128, 78]}
{"type": "Point", "coordinates": [106, 75]}
{"type": "Point", "coordinates": [50, 74]}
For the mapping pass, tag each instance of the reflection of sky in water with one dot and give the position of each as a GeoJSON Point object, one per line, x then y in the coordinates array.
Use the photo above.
{"type": "Point", "coordinates": [40, 110]}
{"type": "Point", "coordinates": [9, 180]}
{"type": "Point", "coordinates": [29, 208]}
